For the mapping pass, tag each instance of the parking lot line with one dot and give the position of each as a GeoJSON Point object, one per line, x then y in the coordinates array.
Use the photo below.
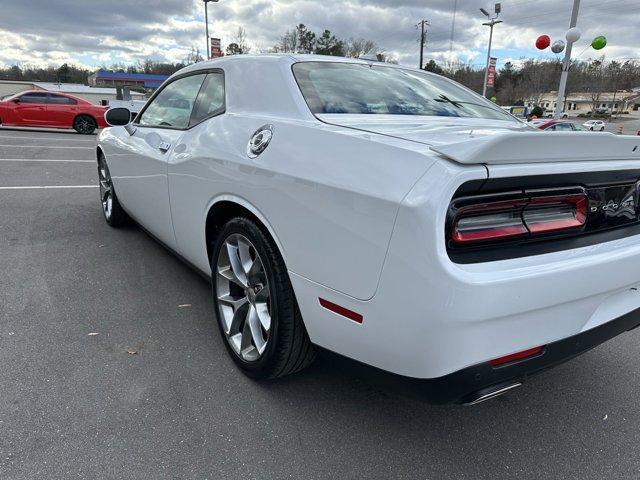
{"type": "Point", "coordinates": [47, 146]}
{"type": "Point", "coordinates": [57, 139]}
{"type": "Point", "coordinates": [48, 187]}
{"type": "Point", "coordinates": [44, 160]}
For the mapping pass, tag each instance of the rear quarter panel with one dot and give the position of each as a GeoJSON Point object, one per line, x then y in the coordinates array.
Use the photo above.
{"type": "Point", "coordinates": [329, 195]}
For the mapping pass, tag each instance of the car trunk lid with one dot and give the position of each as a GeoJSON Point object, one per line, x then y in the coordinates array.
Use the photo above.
{"type": "Point", "coordinates": [493, 142]}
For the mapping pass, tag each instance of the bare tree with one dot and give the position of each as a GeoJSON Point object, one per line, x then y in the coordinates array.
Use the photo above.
{"type": "Point", "coordinates": [288, 42]}
{"type": "Point", "coordinates": [595, 85]}
{"type": "Point", "coordinates": [358, 47]}
{"type": "Point", "coordinates": [193, 56]}
{"type": "Point", "coordinates": [239, 44]}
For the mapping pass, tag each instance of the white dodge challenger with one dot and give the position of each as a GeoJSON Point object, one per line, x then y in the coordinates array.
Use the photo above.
{"type": "Point", "coordinates": [384, 213]}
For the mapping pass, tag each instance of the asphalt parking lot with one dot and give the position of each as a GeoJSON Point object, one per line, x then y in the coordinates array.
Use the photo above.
{"type": "Point", "coordinates": [111, 367]}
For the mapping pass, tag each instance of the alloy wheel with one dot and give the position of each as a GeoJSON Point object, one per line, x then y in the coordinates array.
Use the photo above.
{"type": "Point", "coordinates": [85, 125]}
{"type": "Point", "coordinates": [244, 297]}
{"type": "Point", "coordinates": [106, 189]}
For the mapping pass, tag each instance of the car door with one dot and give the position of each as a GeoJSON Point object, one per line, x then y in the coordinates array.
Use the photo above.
{"type": "Point", "coordinates": [61, 110]}
{"type": "Point", "coordinates": [189, 157]}
{"type": "Point", "coordinates": [31, 109]}
{"type": "Point", "coordinates": [141, 166]}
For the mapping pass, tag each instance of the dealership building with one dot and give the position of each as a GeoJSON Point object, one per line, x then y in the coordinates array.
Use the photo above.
{"type": "Point", "coordinates": [140, 81]}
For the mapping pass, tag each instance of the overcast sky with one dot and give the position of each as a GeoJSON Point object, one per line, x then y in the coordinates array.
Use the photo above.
{"type": "Point", "coordinates": [92, 33]}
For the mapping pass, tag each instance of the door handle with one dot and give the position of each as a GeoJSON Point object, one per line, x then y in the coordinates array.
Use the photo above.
{"type": "Point", "coordinates": [164, 147]}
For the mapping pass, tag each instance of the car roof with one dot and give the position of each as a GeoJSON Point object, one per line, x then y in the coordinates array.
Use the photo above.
{"type": "Point", "coordinates": [64, 94]}
{"type": "Point", "coordinates": [285, 59]}
{"type": "Point", "coordinates": [248, 77]}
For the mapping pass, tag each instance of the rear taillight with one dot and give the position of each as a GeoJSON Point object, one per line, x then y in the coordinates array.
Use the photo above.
{"type": "Point", "coordinates": [490, 221]}
{"type": "Point", "coordinates": [550, 214]}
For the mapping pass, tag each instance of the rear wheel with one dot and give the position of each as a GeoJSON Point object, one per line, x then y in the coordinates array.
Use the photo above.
{"type": "Point", "coordinates": [111, 209]}
{"type": "Point", "coordinates": [84, 124]}
{"type": "Point", "coordinates": [255, 305]}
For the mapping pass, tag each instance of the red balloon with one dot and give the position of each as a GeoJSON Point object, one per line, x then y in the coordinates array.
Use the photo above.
{"type": "Point", "coordinates": [543, 42]}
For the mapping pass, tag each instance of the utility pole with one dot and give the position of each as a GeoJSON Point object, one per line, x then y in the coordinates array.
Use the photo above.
{"type": "Point", "coordinates": [491, 23]}
{"type": "Point", "coordinates": [566, 64]}
{"type": "Point", "coordinates": [423, 40]}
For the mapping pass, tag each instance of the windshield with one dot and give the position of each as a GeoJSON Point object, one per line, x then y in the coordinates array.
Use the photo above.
{"type": "Point", "coordinates": [352, 88]}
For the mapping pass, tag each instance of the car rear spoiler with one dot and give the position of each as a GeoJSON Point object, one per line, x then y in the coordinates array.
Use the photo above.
{"type": "Point", "coordinates": [541, 147]}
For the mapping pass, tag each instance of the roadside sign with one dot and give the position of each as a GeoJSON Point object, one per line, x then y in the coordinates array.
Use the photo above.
{"type": "Point", "coordinates": [491, 75]}
{"type": "Point", "coordinates": [216, 49]}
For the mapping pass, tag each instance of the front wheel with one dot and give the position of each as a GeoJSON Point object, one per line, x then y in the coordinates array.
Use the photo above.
{"type": "Point", "coordinates": [111, 209]}
{"type": "Point", "coordinates": [84, 124]}
{"type": "Point", "coordinates": [255, 305]}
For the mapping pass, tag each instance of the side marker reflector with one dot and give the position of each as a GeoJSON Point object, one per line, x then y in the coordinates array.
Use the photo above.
{"type": "Point", "coordinates": [532, 352]}
{"type": "Point", "coordinates": [344, 312]}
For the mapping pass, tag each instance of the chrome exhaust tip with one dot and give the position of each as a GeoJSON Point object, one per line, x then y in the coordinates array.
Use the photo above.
{"type": "Point", "coordinates": [489, 393]}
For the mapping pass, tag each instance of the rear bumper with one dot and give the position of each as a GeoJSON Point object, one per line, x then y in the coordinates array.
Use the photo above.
{"type": "Point", "coordinates": [471, 383]}
{"type": "Point", "coordinates": [431, 318]}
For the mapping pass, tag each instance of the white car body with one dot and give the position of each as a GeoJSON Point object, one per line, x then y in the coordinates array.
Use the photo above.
{"type": "Point", "coordinates": [594, 125]}
{"type": "Point", "coordinates": [358, 204]}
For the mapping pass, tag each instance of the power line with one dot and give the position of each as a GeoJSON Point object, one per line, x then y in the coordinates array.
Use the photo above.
{"type": "Point", "coordinates": [531, 19]}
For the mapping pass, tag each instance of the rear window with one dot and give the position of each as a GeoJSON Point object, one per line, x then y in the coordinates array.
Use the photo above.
{"type": "Point", "coordinates": [351, 88]}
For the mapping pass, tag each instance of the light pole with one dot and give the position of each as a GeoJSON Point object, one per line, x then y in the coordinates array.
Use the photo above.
{"type": "Point", "coordinates": [206, 25]}
{"type": "Point", "coordinates": [566, 64]}
{"type": "Point", "coordinates": [491, 23]}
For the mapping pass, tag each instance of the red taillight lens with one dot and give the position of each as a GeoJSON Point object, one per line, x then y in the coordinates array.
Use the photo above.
{"type": "Point", "coordinates": [550, 214]}
{"type": "Point", "coordinates": [510, 219]}
{"type": "Point", "coordinates": [532, 352]}
{"type": "Point", "coordinates": [489, 221]}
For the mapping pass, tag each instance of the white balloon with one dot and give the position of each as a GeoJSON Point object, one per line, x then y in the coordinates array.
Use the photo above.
{"type": "Point", "coordinates": [558, 46]}
{"type": "Point", "coordinates": [573, 35]}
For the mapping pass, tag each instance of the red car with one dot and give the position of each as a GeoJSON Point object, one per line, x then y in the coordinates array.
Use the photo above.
{"type": "Point", "coordinates": [38, 108]}
{"type": "Point", "coordinates": [557, 126]}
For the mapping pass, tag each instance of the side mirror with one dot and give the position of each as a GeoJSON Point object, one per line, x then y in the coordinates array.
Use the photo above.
{"type": "Point", "coordinates": [118, 117]}
{"type": "Point", "coordinates": [16, 100]}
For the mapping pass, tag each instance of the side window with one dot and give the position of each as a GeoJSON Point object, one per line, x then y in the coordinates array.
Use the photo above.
{"type": "Point", "coordinates": [35, 97]}
{"type": "Point", "coordinates": [563, 126]}
{"type": "Point", "coordinates": [61, 100]}
{"type": "Point", "coordinates": [211, 100]}
{"type": "Point", "coordinates": [172, 107]}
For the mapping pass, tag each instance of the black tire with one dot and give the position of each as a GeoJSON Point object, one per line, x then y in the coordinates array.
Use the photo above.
{"type": "Point", "coordinates": [113, 212]}
{"type": "Point", "coordinates": [288, 348]}
{"type": "Point", "coordinates": [84, 124]}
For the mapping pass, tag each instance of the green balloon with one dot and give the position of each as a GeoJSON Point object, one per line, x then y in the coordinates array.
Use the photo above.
{"type": "Point", "coordinates": [599, 42]}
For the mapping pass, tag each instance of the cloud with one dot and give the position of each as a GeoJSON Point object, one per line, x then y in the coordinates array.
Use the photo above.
{"type": "Point", "coordinates": [92, 33]}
